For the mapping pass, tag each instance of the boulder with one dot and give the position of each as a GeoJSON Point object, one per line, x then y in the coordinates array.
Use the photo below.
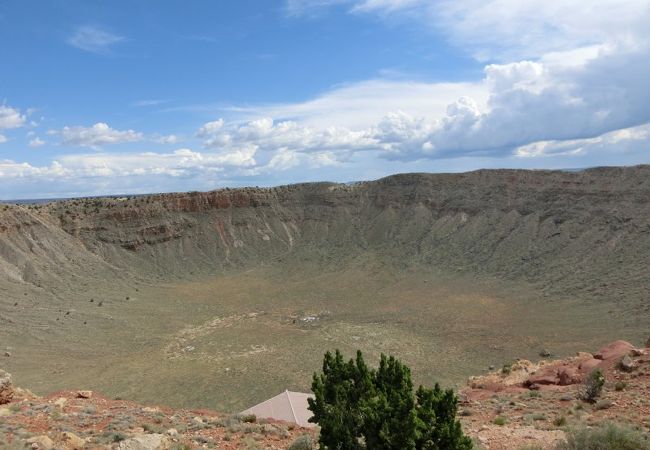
{"type": "Point", "coordinates": [84, 394]}
{"type": "Point", "coordinates": [6, 388]}
{"type": "Point", "coordinates": [71, 441]}
{"type": "Point", "coordinates": [626, 364]}
{"type": "Point", "coordinates": [41, 442]}
{"type": "Point", "coordinates": [541, 380]}
{"type": "Point", "coordinates": [615, 350]}
{"type": "Point", "coordinates": [146, 442]}
{"type": "Point", "coordinates": [588, 365]}
{"type": "Point", "coordinates": [568, 376]}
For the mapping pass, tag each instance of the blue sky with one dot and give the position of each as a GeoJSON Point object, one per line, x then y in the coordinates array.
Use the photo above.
{"type": "Point", "coordinates": [101, 97]}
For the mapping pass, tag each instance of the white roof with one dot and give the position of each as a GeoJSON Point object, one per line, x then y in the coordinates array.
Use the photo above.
{"type": "Point", "coordinates": [287, 406]}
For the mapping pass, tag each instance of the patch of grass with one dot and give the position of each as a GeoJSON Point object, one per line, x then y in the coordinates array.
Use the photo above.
{"type": "Point", "coordinates": [608, 437]}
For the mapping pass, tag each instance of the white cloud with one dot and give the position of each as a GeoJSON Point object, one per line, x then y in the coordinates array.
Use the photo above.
{"type": "Point", "coordinates": [167, 139]}
{"type": "Point", "coordinates": [614, 141]}
{"type": "Point", "coordinates": [93, 39]}
{"type": "Point", "coordinates": [97, 135]}
{"type": "Point", "coordinates": [509, 29]}
{"type": "Point", "coordinates": [518, 104]}
{"type": "Point", "coordinates": [533, 28]}
{"type": "Point", "coordinates": [360, 105]}
{"type": "Point", "coordinates": [282, 138]}
{"type": "Point", "coordinates": [36, 142]}
{"type": "Point", "coordinates": [210, 128]}
{"type": "Point", "coordinates": [10, 118]}
{"type": "Point", "coordinates": [3, 139]}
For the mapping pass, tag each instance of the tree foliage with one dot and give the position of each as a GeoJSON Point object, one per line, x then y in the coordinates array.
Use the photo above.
{"type": "Point", "coordinates": [360, 408]}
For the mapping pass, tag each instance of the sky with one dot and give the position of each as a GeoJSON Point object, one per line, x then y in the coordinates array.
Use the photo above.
{"type": "Point", "coordinates": [103, 97]}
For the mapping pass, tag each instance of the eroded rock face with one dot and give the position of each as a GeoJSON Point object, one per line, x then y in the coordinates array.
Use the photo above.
{"type": "Point", "coordinates": [539, 226]}
{"type": "Point", "coordinates": [6, 388]}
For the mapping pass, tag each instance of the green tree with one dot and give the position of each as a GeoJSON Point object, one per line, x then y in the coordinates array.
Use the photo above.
{"type": "Point", "coordinates": [389, 415]}
{"type": "Point", "coordinates": [360, 409]}
{"type": "Point", "coordinates": [437, 426]}
{"type": "Point", "coordinates": [338, 393]}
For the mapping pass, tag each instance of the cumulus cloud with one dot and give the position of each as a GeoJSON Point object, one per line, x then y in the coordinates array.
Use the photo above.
{"type": "Point", "coordinates": [525, 102]}
{"type": "Point", "coordinates": [36, 142]}
{"type": "Point", "coordinates": [283, 138]}
{"type": "Point", "coordinates": [210, 128]}
{"type": "Point", "coordinates": [183, 162]}
{"type": "Point", "coordinates": [363, 104]}
{"type": "Point", "coordinates": [97, 135]}
{"type": "Point", "coordinates": [93, 39]}
{"type": "Point", "coordinates": [168, 139]}
{"type": "Point", "coordinates": [3, 139]}
{"type": "Point", "coordinates": [10, 118]}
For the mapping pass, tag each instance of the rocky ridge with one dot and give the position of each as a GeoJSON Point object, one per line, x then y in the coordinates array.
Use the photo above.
{"type": "Point", "coordinates": [583, 233]}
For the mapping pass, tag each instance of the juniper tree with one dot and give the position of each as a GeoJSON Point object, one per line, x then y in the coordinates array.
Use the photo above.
{"type": "Point", "coordinates": [360, 409]}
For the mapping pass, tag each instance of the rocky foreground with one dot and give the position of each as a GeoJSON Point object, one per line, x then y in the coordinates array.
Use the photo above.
{"type": "Point", "coordinates": [530, 405]}
{"type": "Point", "coordinates": [523, 405]}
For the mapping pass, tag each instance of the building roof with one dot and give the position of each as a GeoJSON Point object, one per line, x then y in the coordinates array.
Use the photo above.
{"type": "Point", "coordinates": [288, 406]}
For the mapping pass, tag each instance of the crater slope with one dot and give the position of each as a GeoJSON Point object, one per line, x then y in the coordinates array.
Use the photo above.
{"type": "Point", "coordinates": [137, 296]}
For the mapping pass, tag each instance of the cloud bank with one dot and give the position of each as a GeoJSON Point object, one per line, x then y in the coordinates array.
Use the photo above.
{"type": "Point", "coordinates": [562, 82]}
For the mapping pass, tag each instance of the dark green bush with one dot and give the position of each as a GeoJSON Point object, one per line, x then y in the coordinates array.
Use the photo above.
{"type": "Point", "coordinates": [358, 408]}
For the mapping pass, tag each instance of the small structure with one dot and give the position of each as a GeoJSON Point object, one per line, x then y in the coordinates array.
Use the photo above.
{"type": "Point", "coordinates": [287, 406]}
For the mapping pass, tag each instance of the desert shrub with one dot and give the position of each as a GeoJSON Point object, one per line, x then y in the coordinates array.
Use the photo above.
{"type": "Point", "coordinates": [593, 386]}
{"type": "Point", "coordinates": [358, 408]}
{"type": "Point", "coordinates": [607, 437]}
{"type": "Point", "coordinates": [152, 428]}
{"type": "Point", "coordinates": [500, 420]}
{"type": "Point", "coordinates": [506, 369]}
{"type": "Point", "coordinates": [180, 447]}
{"type": "Point", "coordinates": [116, 437]}
{"type": "Point", "coordinates": [248, 418]}
{"type": "Point", "coordinates": [303, 442]}
{"type": "Point", "coordinates": [603, 404]}
{"type": "Point", "coordinates": [559, 421]}
{"type": "Point", "coordinates": [620, 385]}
